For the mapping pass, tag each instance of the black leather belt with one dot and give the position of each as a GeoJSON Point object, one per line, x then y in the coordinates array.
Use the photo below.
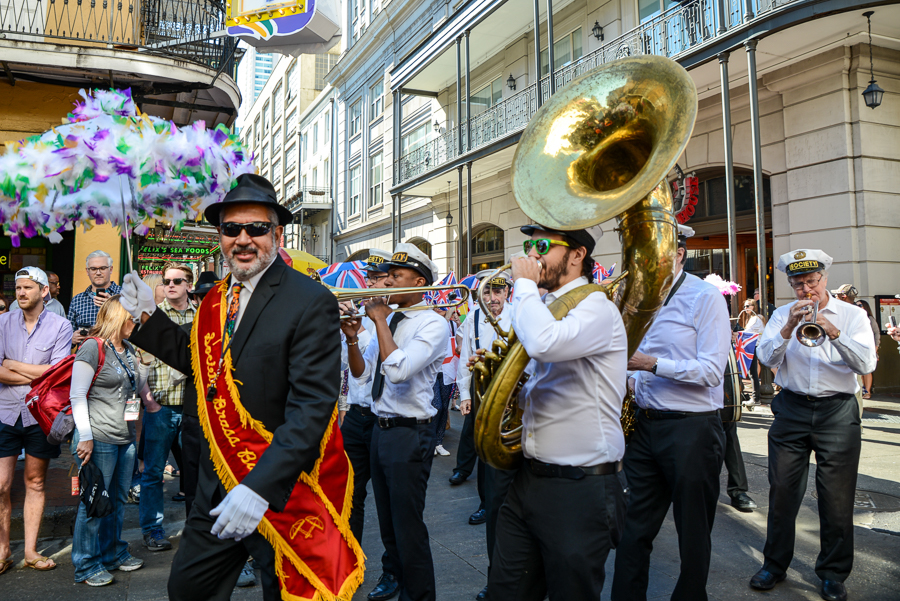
{"type": "Point", "coordinates": [572, 472]}
{"type": "Point", "coordinates": [657, 414]}
{"type": "Point", "coordinates": [386, 423]}
{"type": "Point", "coordinates": [362, 410]}
{"type": "Point", "coordinates": [841, 396]}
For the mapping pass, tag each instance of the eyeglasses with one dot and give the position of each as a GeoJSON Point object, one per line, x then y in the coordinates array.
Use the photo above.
{"type": "Point", "coordinates": [376, 278]}
{"type": "Point", "coordinates": [254, 229]}
{"type": "Point", "coordinates": [542, 245]}
{"type": "Point", "coordinates": [98, 270]}
{"type": "Point", "coordinates": [808, 283]}
{"type": "Point", "coordinates": [176, 281]}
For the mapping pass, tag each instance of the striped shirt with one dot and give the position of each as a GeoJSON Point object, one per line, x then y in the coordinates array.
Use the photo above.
{"type": "Point", "coordinates": [163, 393]}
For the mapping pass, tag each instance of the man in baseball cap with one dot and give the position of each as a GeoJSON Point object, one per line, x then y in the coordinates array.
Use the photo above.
{"type": "Point", "coordinates": [846, 293]}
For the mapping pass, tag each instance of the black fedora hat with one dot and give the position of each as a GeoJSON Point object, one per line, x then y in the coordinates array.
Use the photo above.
{"type": "Point", "coordinates": [250, 188]}
{"type": "Point", "coordinates": [205, 283]}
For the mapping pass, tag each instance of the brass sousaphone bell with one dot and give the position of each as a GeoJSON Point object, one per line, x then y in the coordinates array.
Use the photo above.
{"type": "Point", "coordinates": [601, 147]}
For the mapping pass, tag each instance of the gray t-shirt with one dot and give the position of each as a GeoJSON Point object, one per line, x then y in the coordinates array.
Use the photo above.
{"type": "Point", "coordinates": [106, 399]}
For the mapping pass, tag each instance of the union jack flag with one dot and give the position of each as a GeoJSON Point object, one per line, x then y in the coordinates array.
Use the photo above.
{"type": "Point", "coordinates": [351, 278]}
{"type": "Point", "coordinates": [744, 349]}
{"type": "Point", "coordinates": [472, 283]}
{"type": "Point", "coordinates": [600, 273]}
{"type": "Point", "coordinates": [442, 296]}
{"type": "Point", "coordinates": [339, 267]}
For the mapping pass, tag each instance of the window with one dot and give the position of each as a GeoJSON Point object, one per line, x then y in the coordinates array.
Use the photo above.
{"type": "Point", "coordinates": [315, 177]}
{"type": "Point", "coordinates": [413, 140]}
{"type": "Point", "coordinates": [487, 249]}
{"type": "Point", "coordinates": [423, 245]}
{"type": "Point", "coordinates": [327, 127]}
{"type": "Point", "coordinates": [265, 118]}
{"type": "Point", "coordinates": [292, 82]}
{"type": "Point", "coordinates": [276, 171]}
{"type": "Point", "coordinates": [291, 126]}
{"type": "Point", "coordinates": [376, 180]}
{"type": "Point", "coordinates": [290, 161]}
{"type": "Point", "coordinates": [651, 8]}
{"type": "Point", "coordinates": [276, 141]}
{"type": "Point", "coordinates": [304, 182]}
{"type": "Point", "coordinates": [353, 206]}
{"type": "Point", "coordinates": [355, 116]}
{"type": "Point", "coordinates": [324, 63]}
{"type": "Point", "coordinates": [565, 50]}
{"type": "Point", "coordinates": [256, 129]}
{"type": "Point", "coordinates": [277, 103]}
{"type": "Point", "coordinates": [264, 155]}
{"type": "Point", "coordinates": [304, 156]}
{"type": "Point", "coordinates": [315, 137]}
{"type": "Point", "coordinates": [325, 173]}
{"type": "Point", "coordinates": [486, 97]}
{"type": "Point", "coordinates": [290, 188]}
{"type": "Point", "coordinates": [376, 99]}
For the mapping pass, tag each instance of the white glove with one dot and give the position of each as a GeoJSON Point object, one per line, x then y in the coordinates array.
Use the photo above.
{"type": "Point", "coordinates": [137, 297]}
{"type": "Point", "coordinates": [239, 513]}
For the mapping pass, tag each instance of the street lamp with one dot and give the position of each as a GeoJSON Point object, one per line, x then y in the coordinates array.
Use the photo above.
{"type": "Point", "coordinates": [872, 94]}
{"type": "Point", "coordinates": [597, 31]}
{"type": "Point", "coordinates": [511, 82]}
{"type": "Point", "coordinates": [449, 217]}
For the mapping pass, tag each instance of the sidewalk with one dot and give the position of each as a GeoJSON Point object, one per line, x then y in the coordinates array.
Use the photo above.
{"type": "Point", "coordinates": [459, 549]}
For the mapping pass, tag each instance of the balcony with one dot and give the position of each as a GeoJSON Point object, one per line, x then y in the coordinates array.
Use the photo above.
{"type": "Point", "coordinates": [676, 33]}
{"type": "Point", "coordinates": [310, 200]}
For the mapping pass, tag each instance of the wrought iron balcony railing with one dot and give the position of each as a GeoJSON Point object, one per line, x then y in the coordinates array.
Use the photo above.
{"type": "Point", "coordinates": [673, 34]}
{"type": "Point", "coordinates": [185, 29]}
{"type": "Point", "coordinates": [308, 194]}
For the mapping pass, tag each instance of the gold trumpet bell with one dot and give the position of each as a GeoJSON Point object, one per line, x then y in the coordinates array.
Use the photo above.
{"type": "Point", "coordinates": [607, 138]}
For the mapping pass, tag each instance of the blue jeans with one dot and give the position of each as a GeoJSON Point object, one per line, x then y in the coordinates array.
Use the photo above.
{"type": "Point", "coordinates": [160, 430]}
{"type": "Point", "coordinates": [97, 544]}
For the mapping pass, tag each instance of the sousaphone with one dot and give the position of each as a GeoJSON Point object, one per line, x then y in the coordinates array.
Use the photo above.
{"type": "Point", "coordinates": [600, 148]}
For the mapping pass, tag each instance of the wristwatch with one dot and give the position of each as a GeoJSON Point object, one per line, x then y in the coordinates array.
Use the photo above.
{"type": "Point", "coordinates": [653, 369]}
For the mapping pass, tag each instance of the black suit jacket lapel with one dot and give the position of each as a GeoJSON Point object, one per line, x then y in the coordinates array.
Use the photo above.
{"type": "Point", "coordinates": [264, 292]}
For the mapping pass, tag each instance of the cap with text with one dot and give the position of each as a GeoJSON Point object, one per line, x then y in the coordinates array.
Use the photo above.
{"type": "Point", "coordinates": [378, 260]}
{"type": "Point", "coordinates": [409, 256]}
{"type": "Point", "coordinates": [803, 260]}
{"type": "Point", "coordinates": [35, 274]}
{"type": "Point", "coordinates": [500, 280]}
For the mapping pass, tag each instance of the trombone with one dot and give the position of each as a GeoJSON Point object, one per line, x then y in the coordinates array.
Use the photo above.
{"type": "Point", "coordinates": [355, 294]}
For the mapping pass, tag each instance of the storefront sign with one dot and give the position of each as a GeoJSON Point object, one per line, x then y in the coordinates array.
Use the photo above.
{"type": "Point", "coordinates": [687, 192]}
{"type": "Point", "coordinates": [151, 251]}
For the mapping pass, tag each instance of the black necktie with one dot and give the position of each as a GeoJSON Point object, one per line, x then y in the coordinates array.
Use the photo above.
{"type": "Point", "coordinates": [378, 382]}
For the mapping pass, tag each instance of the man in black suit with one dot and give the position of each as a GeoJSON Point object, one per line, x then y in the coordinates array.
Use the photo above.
{"type": "Point", "coordinates": [286, 352]}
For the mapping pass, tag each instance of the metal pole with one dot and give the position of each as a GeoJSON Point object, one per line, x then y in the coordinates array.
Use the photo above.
{"type": "Point", "coordinates": [462, 274]}
{"type": "Point", "coordinates": [729, 176]}
{"type": "Point", "coordinates": [459, 147]}
{"type": "Point", "coordinates": [766, 391]}
{"type": "Point", "coordinates": [459, 253]}
{"type": "Point", "coordinates": [399, 218]}
{"type": "Point", "coordinates": [302, 236]}
{"type": "Point", "coordinates": [537, 51]}
{"type": "Point", "coordinates": [468, 98]}
{"type": "Point", "coordinates": [550, 45]}
{"type": "Point", "coordinates": [333, 179]}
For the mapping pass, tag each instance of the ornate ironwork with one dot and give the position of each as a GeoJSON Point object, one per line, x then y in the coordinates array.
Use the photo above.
{"type": "Point", "coordinates": [184, 29]}
{"type": "Point", "coordinates": [674, 33]}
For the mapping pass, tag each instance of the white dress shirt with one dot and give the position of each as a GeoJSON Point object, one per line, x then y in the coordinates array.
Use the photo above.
{"type": "Point", "coordinates": [356, 393]}
{"type": "Point", "coordinates": [486, 337]}
{"type": "Point", "coordinates": [409, 371]}
{"type": "Point", "coordinates": [573, 402]}
{"type": "Point", "coordinates": [691, 337]}
{"type": "Point", "coordinates": [823, 370]}
{"type": "Point", "coordinates": [246, 292]}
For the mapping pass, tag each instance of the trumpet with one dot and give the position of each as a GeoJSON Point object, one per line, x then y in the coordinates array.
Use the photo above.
{"type": "Point", "coordinates": [357, 294]}
{"type": "Point", "coordinates": [810, 333]}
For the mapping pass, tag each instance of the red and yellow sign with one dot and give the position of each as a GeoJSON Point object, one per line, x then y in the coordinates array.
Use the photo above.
{"type": "Point", "coordinates": [317, 558]}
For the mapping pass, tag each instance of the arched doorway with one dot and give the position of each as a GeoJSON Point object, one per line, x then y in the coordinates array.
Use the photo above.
{"type": "Point", "coordinates": [487, 247]}
{"type": "Point", "coordinates": [360, 255]}
{"type": "Point", "coordinates": [422, 244]}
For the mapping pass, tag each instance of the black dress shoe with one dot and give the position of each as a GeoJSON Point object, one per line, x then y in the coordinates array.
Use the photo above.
{"type": "Point", "coordinates": [479, 517]}
{"type": "Point", "coordinates": [482, 596]}
{"type": "Point", "coordinates": [765, 580]}
{"type": "Point", "coordinates": [387, 588]}
{"type": "Point", "coordinates": [743, 502]}
{"type": "Point", "coordinates": [832, 590]}
{"type": "Point", "coordinates": [457, 478]}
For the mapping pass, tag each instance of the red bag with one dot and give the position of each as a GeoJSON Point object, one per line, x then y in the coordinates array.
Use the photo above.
{"type": "Point", "coordinates": [49, 394]}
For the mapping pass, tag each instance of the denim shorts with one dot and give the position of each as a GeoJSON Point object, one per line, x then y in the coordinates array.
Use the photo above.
{"type": "Point", "coordinates": [15, 438]}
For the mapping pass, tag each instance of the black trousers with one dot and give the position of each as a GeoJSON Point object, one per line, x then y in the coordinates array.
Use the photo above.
{"type": "Point", "coordinates": [207, 567]}
{"type": "Point", "coordinates": [467, 457]}
{"type": "Point", "coordinates": [553, 536]}
{"type": "Point", "coordinates": [357, 432]}
{"type": "Point", "coordinates": [670, 462]}
{"type": "Point", "coordinates": [734, 461]}
{"type": "Point", "coordinates": [830, 428]}
{"type": "Point", "coordinates": [191, 436]}
{"type": "Point", "coordinates": [496, 487]}
{"type": "Point", "coordinates": [401, 465]}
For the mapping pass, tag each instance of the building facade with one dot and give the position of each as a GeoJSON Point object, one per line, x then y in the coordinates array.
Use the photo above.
{"type": "Point", "coordinates": [254, 72]}
{"type": "Point", "coordinates": [166, 51]}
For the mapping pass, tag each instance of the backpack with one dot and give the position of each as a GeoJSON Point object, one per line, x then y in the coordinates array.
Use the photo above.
{"type": "Point", "coordinates": [48, 399]}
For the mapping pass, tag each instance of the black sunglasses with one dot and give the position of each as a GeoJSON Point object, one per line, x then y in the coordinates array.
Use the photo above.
{"type": "Point", "coordinates": [176, 281]}
{"type": "Point", "coordinates": [254, 229]}
{"type": "Point", "coordinates": [2, 307]}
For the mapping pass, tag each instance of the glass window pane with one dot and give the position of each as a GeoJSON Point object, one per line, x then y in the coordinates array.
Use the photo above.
{"type": "Point", "coordinates": [545, 62]}
{"type": "Point", "coordinates": [481, 100]}
{"type": "Point", "coordinates": [496, 91]}
{"type": "Point", "coordinates": [561, 52]}
{"type": "Point", "coordinates": [648, 8]}
{"type": "Point", "coordinates": [576, 44]}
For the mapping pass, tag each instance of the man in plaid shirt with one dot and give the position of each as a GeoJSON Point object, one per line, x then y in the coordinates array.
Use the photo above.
{"type": "Point", "coordinates": [85, 305]}
{"type": "Point", "coordinates": [162, 419]}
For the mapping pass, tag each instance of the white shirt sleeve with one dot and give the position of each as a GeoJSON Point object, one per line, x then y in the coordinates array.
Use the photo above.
{"type": "Point", "coordinates": [82, 376]}
{"type": "Point", "coordinates": [713, 342]}
{"type": "Point", "coordinates": [856, 345]}
{"type": "Point", "coordinates": [547, 339]}
{"type": "Point", "coordinates": [370, 357]}
{"type": "Point", "coordinates": [772, 346]}
{"type": "Point", "coordinates": [427, 346]}
{"type": "Point", "coordinates": [463, 375]}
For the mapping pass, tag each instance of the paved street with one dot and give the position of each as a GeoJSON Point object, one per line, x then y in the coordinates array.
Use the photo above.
{"type": "Point", "coordinates": [459, 554]}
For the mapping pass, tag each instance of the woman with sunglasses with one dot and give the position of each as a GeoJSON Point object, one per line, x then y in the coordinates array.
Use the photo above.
{"type": "Point", "coordinates": [105, 414]}
{"type": "Point", "coordinates": [867, 387]}
{"type": "Point", "coordinates": [4, 304]}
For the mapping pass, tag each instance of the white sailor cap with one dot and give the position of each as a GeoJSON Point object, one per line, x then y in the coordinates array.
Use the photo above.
{"type": "Point", "coordinates": [504, 278]}
{"type": "Point", "coordinates": [684, 232]}
{"type": "Point", "coordinates": [378, 259]}
{"type": "Point", "coordinates": [803, 260]}
{"type": "Point", "coordinates": [409, 256]}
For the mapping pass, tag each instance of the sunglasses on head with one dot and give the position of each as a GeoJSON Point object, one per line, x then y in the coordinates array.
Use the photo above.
{"type": "Point", "coordinates": [176, 281]}
{"type": "Point", "coordinates": [542, 245]}
{"type": "Point", "coordinates": [254, 229]}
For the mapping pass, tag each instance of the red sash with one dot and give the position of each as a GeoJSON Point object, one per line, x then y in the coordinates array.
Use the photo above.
{"type": "Point", "coordinates": [317, 558]}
